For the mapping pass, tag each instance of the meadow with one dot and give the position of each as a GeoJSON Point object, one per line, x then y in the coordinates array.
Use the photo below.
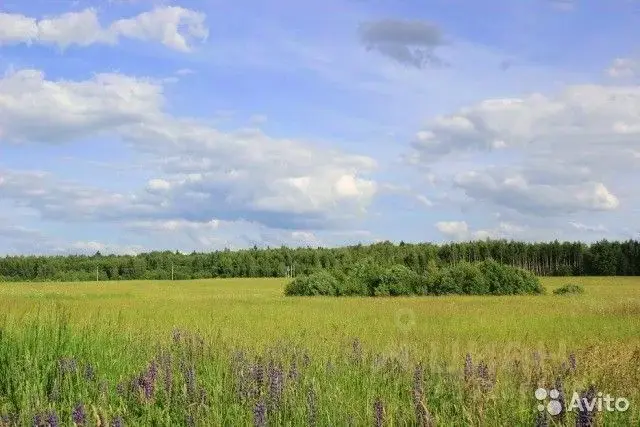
{"type": "Point", "coordinates": [237, 352]}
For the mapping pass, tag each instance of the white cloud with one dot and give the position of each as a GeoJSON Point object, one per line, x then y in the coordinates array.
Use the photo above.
{"type": "Point", "coordinates": [588, 228]}
{"type": "Point", "coordinates": [65, 110]}
{"type": "Point", "coordinates": [545, 155]}
{"type": "Point", "coordinates": [461, 231]}
{"type": "Point", "coordinates": [624, 68]}
{"type": "Point", "coordinates": [457, 230]}
{"type": "Point", "coordinates": [202, 172]}
{"type": "Point", "coordinates": [172, 26]}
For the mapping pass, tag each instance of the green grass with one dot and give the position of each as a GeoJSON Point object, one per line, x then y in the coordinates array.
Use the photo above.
{"type": "Point", "coordinates": [119, 327]}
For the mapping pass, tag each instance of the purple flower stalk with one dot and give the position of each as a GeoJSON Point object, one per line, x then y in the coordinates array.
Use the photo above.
{"type": "Point", "coordinates": [311, 407]}
{"type": "Point", "coordinates": [260, 414]}
{"type": "Point", "coordinates": [89, 372]}
{"type": "Point", "coordinates": [52, 419]}
{"type": "Point", "coordinates": [117, 422]}
{"type": "Point", "coordinates": [572, 362]}
{"type": "Point", "coordinates": [79, 415]}
{"type": "Point", "coordinates": [378, 412]}
{"type": "Point", "coordinates": [468, 368]}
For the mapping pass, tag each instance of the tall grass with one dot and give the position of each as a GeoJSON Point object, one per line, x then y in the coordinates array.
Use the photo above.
{"type": "Point", "coordinates": [238, 353]}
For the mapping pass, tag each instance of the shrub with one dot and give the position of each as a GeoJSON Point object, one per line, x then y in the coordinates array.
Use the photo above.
{"type": "Point", "coordinates": [368, 278]}
{"type": "Point", "coordinates": [570, 289]}
{"type": "Point", "coordinates": [462, 278]}
{"type": "Point", "coordinates": [319, 283]}
{"type": "Point", "coordinates": [398, 280]}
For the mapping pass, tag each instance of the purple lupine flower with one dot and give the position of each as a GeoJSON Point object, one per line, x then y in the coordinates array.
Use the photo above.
{"type": "Point", "coordinates": [276, 385]}
{"type": "Point", "coordinates": [177, 334]}
{"type": "Point", "coordinates": [52, 419]}
{"type": "Point", "coordinates": [258, 375]}
{"type": "Point", "coordinates": [121, 389]}
{"type": "Point", "coordinates": [306, 360]}
{"type": "Point", "coordinates": [190, 380]}
{"type": "Point", "coordinates": [572, 362]}
{"type": "Point", "coordinates": [293, 371]}
{"type": "Point", "coordinates": [89, 372]}
{"type": "Point", "coordinates": [117, 422]}
{"type": "Point", "coordinates": [417, 385]}
{"type": "Point", "coordinates": [586, 418]}
{"type": "Point", "coordinates": [378, 413]}
{"type": "Point", "coordinates": [260, 414]}
{"type": "Point", "coordinates": [542, 420]}
{"type": "Point", "coordinates": [423, 416]}
{"type": "Point", "coordinates": [67, 365]}
{"type": "Point", "coordinates": [468, 368]}
{"type": "Point", "coordinates": [312, 409]}
{"type": "Point", "coordinates": [561, 398]}
{"type": "Point", "coordinates": [78, 414]}
{"type": "Point", "coordinates": [38, 420]}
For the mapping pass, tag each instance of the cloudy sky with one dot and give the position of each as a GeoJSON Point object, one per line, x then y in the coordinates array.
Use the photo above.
{"type": "Point", "coordinates": [133, 125]}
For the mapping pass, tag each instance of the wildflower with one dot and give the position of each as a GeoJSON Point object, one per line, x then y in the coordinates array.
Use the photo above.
{"type": "Point", "coordinates": [468, 368]}
{"type": "Point", "coordinates": [586, 418]}
{"type": "Point", "coordinates": [38, 421]}
{"type": "Point", "coordinates": [89, 372]}
{"type": "Point", "coordinates": [260, 414]}
{"type": "Point", "coordinates": [78, 414]}
{"type": "Point", "coordinates": [190, 380]}
{"type": "Point", "coordinates": [258, 374]}
{"type": "Point", "coordinates": [293, 371]}
{"type": "Point", "coordinates": [378, 411]}
{"type": "Point", "coordinates": [52, 419]}
{"type": "Point", "coordinates": [275, 385]}
{"type": "Point", "coordinates": [176, 336]}
{"type": "Point", "coordinates": [67, 365]}
{"type": "Point", "coordinates": [120, 389]}
{"type": "Point", "coordinates": [561, 398]}
{"type": "Point", "coordinates": [117, 422]}
{"type": "Point", "coordinates": [542, 420]}
{"type": "Point", "coordinates": [572, 362]}
{"type": "Point", "coordinates": [311, 407]}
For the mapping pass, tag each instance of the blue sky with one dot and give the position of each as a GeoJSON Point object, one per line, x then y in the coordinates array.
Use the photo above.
{"type": "Point", "coordinates": [134, 125]}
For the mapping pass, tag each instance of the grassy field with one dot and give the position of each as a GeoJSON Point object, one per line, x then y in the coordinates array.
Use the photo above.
{"type": "Point", "coordinates": [237, 352]}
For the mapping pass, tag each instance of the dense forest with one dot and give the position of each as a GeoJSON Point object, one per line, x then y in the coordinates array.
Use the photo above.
{"type": "Point", "coordinates": [604, 258]}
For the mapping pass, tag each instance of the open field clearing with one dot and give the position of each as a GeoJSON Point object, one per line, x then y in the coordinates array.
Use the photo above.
{"type": "Point", "coordinates": [237, 352]}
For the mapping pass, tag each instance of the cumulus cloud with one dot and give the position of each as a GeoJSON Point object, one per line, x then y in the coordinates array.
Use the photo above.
{"type": "Point", "coordinates": [411, 43]}
{"type": "Point", "coordinates": [624, 68]}
{"type": "Point", "coordinates": [175, 27]}
{"type": "Point", "coordinates": [516, 192]}
{"type": "Point", "coordinates": [35, 109]}
{"type": "Point", "coordinates": [457, 230]}
{"type": "Point", "coordinates": [461, 231]}
{"type": "Point", "coordinates": [202, 172]}
{"type": "Point", "coordinates": [545, 155]}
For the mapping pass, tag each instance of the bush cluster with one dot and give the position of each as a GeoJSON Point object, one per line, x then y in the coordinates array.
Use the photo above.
{"type": "Point", "coordinates": [569, 289]}
{"type": "Point", "coordinates": [368, 278]}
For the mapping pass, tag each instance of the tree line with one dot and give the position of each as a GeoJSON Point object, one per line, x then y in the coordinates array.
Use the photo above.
{"type": "Point", "coordinates": [603, 258]}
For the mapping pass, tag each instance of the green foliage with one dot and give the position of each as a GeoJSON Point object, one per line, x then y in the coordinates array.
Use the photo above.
{"type": "Point", "coordinates": [465, 278]}
{"type": "Point", "coordinates": [318, 283]}
{"type": "Point", "coordinates": [604, 258]}
{"type": "Point", "coordinates": [569, 289]}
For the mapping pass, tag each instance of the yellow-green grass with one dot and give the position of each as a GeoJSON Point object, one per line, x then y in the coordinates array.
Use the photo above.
{"type": "Point", "coordinates": [601, 327]}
